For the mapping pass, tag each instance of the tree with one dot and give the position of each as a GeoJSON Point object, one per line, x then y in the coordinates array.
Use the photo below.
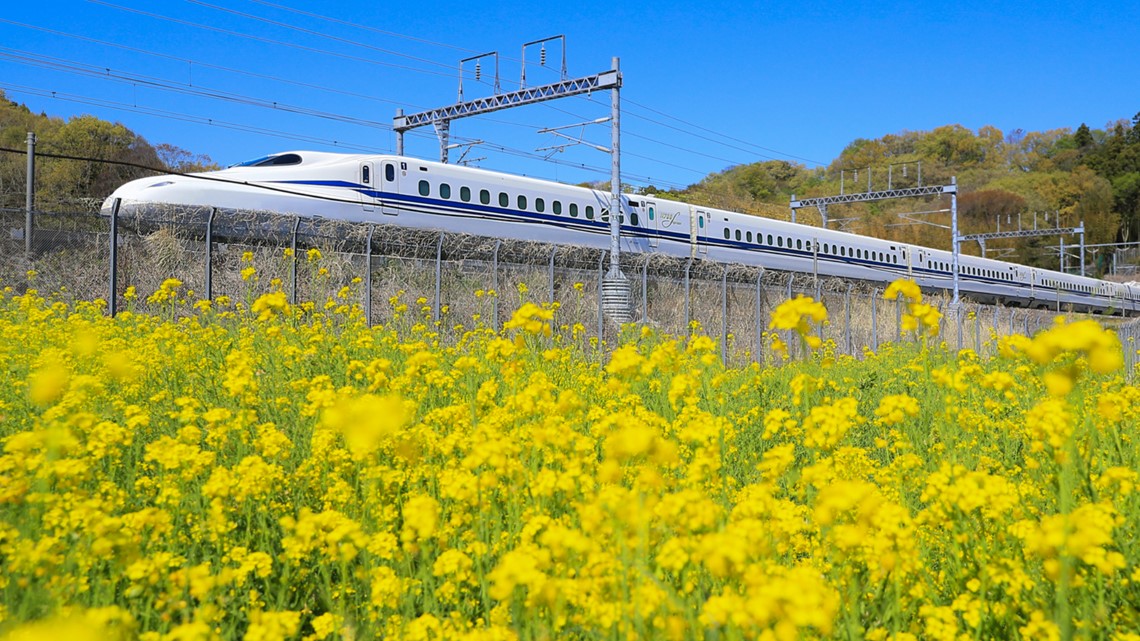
{"type": "Point", "coordinates": [86, 182]}
{"type": "Point", "coordinates": [182, 161]}
{"type": "Point", "coordinates": [1083, 137]}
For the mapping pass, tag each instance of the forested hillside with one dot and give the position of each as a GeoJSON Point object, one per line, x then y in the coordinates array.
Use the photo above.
{"type": "Point", "coordinates": [68, 185]}
{"type": "Point", "coordinates": [1058, 177]}
{"type": "Point", "coordinates": [1062, 174]}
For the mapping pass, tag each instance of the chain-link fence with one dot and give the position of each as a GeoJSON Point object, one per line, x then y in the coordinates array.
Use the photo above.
{"type": "Point", "coordinates": [455, 282]}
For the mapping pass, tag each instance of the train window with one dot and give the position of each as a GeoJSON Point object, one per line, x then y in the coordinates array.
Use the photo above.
{"type": "Point", "coordinates": [726, 233]}
{"type": "Point", "coordinates": [484, 196]}
{"type": "Point", "coordinates": [769, 239]}
{"type": "Point", "coordinates": [633, 218]}
{"type": "Point", "coordinates": [389, 172]}
{"type": "Point", "coordinates": [366, 175]}
{"type": "Point", "coordinates": [842, 250]}
{"type": "Point", "coordinates": [271, 161]}
{"type": "Point", "coordinates": [701, 222]}
{"type": "Point", "coordinates": [651, 212]}
{"type": "Point", "coordinates": [465, 194]}
{"type": "Point", "coordinates": [539, 205]}
{"type": "Point", "coordinates": [574, 210]}
{"type": "Point", "coordinates": [444, 191]}
{"type": "Point", "coordinates": [749, 237]}
{"type": "Point", "coordinates": [556, 206]}
{"type": "Point", "coordinates": [780, 241]}
{"type": "Point", "coordinates": [799, 244]}
{"type": "Point", "coordinates": [737, 234]}
{"type": "Point", "coordinates": [504, 200]}
{"type": "Point", "coordinates": [522, 202]}
{"type": "Point", "coordinates": [825, 249]}
{"type": "Point", "coordinates": [425, 188]}
{"type": "Point", "coordinates": [590, 212]}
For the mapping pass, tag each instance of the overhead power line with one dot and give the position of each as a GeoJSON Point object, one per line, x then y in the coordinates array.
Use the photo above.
{"type": "Point", "coordinates": [318, 34]}
{"type": "Point", "coordinates": [206, 65]}
{"type": "Point", "coordinates": [201, 120]}
{"type": "Point", "coordinates": [244, 99]}
{"type": "Point", "coordinates": [70, 66]}
{"type": "Point", "coordinates": [716, 133]}
{"type": "Point", "coordinates": [282, 43]}
{"type": "Point", "coordinates": [398, 35]}
{"type": "Point", "coordinates": [346, 23]}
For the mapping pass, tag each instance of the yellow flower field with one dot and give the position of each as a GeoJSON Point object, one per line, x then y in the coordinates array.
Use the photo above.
{"type": "Point", "coordinates": [258, 470]}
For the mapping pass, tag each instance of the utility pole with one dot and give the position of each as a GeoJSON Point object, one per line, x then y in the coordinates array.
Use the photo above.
{"type": "Point", "coordinates": [615, 287]}
{"type": "Point", "coordinates": [954, 234]}
{"type": "Point", "coordinates": [30, 197]}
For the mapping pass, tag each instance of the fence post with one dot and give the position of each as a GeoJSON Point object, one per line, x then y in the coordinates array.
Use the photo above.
{"type": "Point", "coordinates": [978, 331]}
{"type": "Point", "coordinates": [30, 198]}
{"type": "Point", "coordinates": [898, 318]}
{"type": "Point", "coordinates": [368, 276]}
{"type": "Point", "coordinates": [293, 248]}
{"type": "Point", "coordinates": [759, 314]}
{"type": "Point", "coordinates": [210, 254]}
{"type": "Point", "coordinates": [495, 285]}
{"type": "Point", "coordinates": [438, 276]}
{"type": "Point", "coordinates": [724, 317]}
{"type": "Point", "coordinates": [113, 298]}
{"type": "Point", "coordinates": [601, 319]}
{"type": "Point", "coordinates": [958, 321]}
{"type": "Point", "coordinates": [553, 251]}
{"type": "Point", "coordinates": [688, 316]}
{"type": "Point", "coordinates": [645, 291]}
{"type": "Point", "coordinates": [847, 313]}
{"type": "Point", "coordinates": [874, 321]}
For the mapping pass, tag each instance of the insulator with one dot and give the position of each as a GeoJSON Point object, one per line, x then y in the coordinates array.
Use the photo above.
{"type": "Point", "coordinates": [542, 56]}
{"type": "Point", "coordinates": [904, 171]}
{"type": "Point", "coordinates": [856, 174]}
{"type": "Point", "coordinates": [478, 70]}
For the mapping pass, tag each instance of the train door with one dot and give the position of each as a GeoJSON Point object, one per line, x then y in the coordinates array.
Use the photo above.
{"type": "Point", "coordinates": [702, 223]}
{"type": "Point", "coordinates": [367, 179]}
{"type": "Point", "coordinates": [389, 187]}
{"type": "Point", "coordinates": [651, 223]}
{"type": "Point", "coordinates": [909, 265]}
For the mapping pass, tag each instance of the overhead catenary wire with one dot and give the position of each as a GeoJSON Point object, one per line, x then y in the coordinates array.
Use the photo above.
{"type": "Point", "coordinates": [649, 158]}
{"type": "Point", "coordinates": [368, 46]}
{"type": "Point", "coordinates": [262, 39]}
{"type": "Point", "coordinates": [71, 66]}
{"type": "Point", "coordinates": [202, 120]}
{"type": "Point", "coordinates": [390, 33]}
{"type": "Point", "coordinates": [319, 34]}
{"type": "Point", "coordinates": [104, 72]}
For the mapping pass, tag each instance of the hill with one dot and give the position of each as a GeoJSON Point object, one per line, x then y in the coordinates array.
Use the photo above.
{"type": "Point", "coordinates": [70, 185]}
{"type": "Point", "coordinates": [1053, 178]}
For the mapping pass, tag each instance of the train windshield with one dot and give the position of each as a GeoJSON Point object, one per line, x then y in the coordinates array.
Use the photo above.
{"type": "Point", "coordinates": [271, 161]}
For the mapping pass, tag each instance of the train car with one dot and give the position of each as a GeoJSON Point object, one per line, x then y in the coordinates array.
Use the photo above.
{"type": "Point", "coordinates": [409, 192]}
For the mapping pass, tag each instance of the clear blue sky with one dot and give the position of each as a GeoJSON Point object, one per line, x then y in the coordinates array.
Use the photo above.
{"type": "Point", "coordinates": [791, 80]}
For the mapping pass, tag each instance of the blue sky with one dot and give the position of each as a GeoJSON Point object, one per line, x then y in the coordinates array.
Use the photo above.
{"type": "Point", "coordinates": [706, 85]}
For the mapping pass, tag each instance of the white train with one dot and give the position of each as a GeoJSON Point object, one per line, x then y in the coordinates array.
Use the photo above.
{"type": "Point", "coordinates": [409, 192]}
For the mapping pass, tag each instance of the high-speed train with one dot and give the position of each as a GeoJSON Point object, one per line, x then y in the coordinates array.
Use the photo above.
{"type": "Point", "coordinates": [404, 191]}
